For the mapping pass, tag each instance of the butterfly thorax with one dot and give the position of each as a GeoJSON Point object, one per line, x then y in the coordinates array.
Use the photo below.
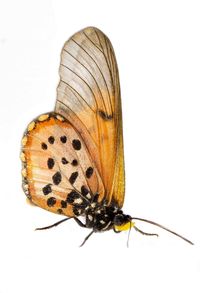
{"type": "Point", "coordinates": [102, 218]}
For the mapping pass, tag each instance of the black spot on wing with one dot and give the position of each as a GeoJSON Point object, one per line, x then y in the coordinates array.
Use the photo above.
{"type": "Point", "coordinates": [84, 190]}
{"type": "Point", "coordinates": [47, 189]}
{"type": "Point", "coordinates": [57, 178]}
{"type": "Point", "coordinates": [44, 146]}
{"type": "Point", "coordinates": [50, 163]}
{"type": "Point", "coordinates": [104, 115]}
{"type": "Point", "coordinates": [73, 177]}
{"type": "Point", "coordinates": [63, 139]}
{"type": "Point", "coordinates": [64, 161]}
{"type": "Point", "coordinates": [74, 162]}
{"type": "Point", "coordinates": [89, 172]}
{"type": "Point", "coordinates": [72, 196]}
{"type": "Point", "coordinates": [51, 139]}
{"type": "Point", "coordinates": [76, 144]}
{"type": "Point", "coordinates": [63, 204]}
{"type": "Point", "coordinates": [51, 201]}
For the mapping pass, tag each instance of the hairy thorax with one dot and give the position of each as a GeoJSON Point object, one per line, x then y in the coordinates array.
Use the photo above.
{"type": "Point", "coordinates": [102, 218]}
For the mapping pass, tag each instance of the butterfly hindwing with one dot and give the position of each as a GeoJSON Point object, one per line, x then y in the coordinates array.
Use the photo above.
{"type": "Point", "coordinates": [88, 95]}
{"type": "Point", "coordinates": [59, 174]}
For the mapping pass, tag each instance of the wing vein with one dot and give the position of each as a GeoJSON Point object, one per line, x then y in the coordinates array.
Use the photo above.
{"type": "Point", "coordinates": [73, 89]}
{"type": "Point", "coordinates": [78, 119]}
{"type": "Point", "coordinates": [106, 62]}
{"type": "Point", "coordinates": [92, 42]}
{"type": "Point", "coordinates": [90, 75]}
{"type": "Point", "coordinates": [98, 69]}
{"type": "Point", "coordinates": [83, 81]}
{"type": "Point", "coordinates": [82, 173]}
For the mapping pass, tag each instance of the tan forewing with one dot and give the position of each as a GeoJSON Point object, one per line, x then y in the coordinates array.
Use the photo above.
{"type": "Point", "coordinates": [88, 95]}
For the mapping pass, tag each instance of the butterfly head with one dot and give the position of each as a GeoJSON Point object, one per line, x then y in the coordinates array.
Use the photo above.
{"type": "Point", "coordinates": [122, 222]}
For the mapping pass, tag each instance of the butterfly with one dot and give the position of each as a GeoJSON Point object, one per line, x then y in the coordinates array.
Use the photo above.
{"type": "Point", "coordinates": [73, 159]}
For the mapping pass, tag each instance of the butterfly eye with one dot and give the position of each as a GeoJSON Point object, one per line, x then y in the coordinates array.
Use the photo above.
{"type": "Point", "coordinates": [119, 220]}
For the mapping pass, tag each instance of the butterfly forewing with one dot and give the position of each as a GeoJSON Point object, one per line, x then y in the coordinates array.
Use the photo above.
{"type": "Point", "coordinates": [88, 95]}
{"type": "Point", "coordinates": [59, 174]}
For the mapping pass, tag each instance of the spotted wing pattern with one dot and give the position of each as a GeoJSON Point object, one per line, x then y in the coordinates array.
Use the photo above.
{"type": "Point", "coordinates": [88, 95]}
{"type": "Point", "coordinates": [58, 175]}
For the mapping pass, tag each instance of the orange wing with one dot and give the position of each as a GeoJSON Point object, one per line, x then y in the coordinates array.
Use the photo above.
{"type": "Point", "coordinates": [58, 175]}
{"type": "Point", "coordinates": [88, 95]}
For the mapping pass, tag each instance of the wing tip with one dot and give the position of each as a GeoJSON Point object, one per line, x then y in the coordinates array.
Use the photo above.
{"type": "Point", "coordinates": [89, 30]}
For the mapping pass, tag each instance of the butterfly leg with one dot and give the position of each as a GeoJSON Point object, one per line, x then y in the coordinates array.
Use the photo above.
{"type": "Point", "coordinates": [144, 233]}
{"type": "Point", "coordinates": [53, 225]}
{"type": "Point", "coordinates": [79, 222]}
{"type": "Point", "coordinates": [86, 238]}
{"type": "Point", "coordinates": [116, 231]}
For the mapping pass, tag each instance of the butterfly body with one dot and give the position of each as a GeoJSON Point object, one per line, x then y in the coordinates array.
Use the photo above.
{"type": "Point", "coordinates": [105, 218]}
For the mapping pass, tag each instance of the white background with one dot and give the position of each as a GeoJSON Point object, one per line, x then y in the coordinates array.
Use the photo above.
{"type": "Point", "coordinates": [157, 44]}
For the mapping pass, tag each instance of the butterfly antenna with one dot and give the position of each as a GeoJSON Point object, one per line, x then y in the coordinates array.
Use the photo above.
{"type": "Point", "coordinates": [53, 225]}
{"type": "Point", "coordinates": [164, 228]}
